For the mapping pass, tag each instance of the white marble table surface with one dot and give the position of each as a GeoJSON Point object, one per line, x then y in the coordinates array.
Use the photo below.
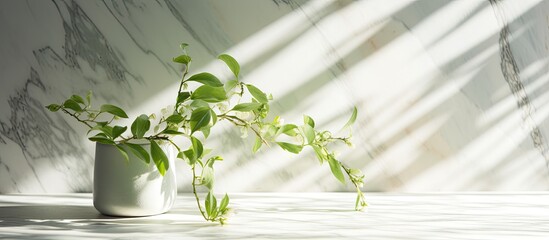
{"type": "Point", "coordinates": [290, 216]}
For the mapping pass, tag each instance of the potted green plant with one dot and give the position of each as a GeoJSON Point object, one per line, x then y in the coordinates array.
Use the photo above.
{"type": "Point", "coordinates": [197, 109]}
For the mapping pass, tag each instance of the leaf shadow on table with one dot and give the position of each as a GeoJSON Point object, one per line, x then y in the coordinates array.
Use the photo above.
{"type": "Point", "coordinates": [39, 221]}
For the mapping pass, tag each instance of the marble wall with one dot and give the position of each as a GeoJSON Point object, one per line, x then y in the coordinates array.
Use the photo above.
{"type": "Point", "coordinates": [452, 95]}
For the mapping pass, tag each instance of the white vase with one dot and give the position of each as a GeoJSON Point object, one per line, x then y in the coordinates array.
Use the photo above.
{"type": "Point", "coordinates": [134, 188]}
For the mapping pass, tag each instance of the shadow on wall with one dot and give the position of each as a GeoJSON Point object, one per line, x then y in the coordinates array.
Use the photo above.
{"type": "Point", "coordinates": [435, 110]}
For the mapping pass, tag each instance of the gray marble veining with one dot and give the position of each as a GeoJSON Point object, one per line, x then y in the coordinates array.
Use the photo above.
{"type": "Point", "coordinates": [452, 95]}
{"type": "Point", "coordinates": [511, 73]}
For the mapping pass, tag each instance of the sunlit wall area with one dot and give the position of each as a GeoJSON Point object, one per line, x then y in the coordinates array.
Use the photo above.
{"type": "Point", "coordinates": [451, 95]}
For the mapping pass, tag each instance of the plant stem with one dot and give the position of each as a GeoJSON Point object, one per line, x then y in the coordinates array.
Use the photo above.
{"type": "Point", "coordinates": [348, 171]}
{"type": "Point", "coordinates": [181, 86]}
{"type": "Point", "coordinates": [74, 115]}
{"type": "Point", "coordinates": [175, 145]}
{"type": "Point", "coordinates": [196, 195]}
{"type": "Point", "coordinates": [243, 123]}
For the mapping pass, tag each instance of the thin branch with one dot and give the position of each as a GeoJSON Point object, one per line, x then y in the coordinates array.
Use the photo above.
{"type": "Point", "coordinates": [243, 123]}
{"type": "Point", "coordinates": [74, 115]}
{"type": "Point", "coordinates": [196, 195]}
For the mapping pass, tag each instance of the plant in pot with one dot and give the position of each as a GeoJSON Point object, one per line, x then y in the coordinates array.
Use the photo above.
{"type": "Point", "coordinates": [133, 173]}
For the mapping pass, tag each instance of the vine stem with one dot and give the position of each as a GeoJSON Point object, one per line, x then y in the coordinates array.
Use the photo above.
{"type": "Point", "coordinates": [348, 171]}
{"type": "Point", "coordinates": [243, 123]}
{"type": "Point", "coordinates": [177, 103]}
{"type": "Point", "coordinates": [196, 194]}
{"type": "Point", "coordinates": [77, 118]}
{"type": "Point", "coordinates": [175, 145]}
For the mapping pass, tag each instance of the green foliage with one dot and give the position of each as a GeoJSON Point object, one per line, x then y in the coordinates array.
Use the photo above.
{"type": "Point", "coordinates": [72, 105]}
{"type": "Point", "coordinates": [140, 126]}
{"type": "Point", "coordinates": [351, 120]}
{"type": "Point", "coordinates": [229, 85]}
{"type": "Point", "coordinates": [123, 152]}
{"type": "Point", "coordinates": [247, 107]}
{"type": "Point", "coordinates": [117, 131]}
{"type": "Point", "coordinates": [159, 157]}
{"type": "Point", "coordinates": [102, 138]}
{"type": "Point", "coordinates": [53, 107]}
{"type": "Point", "coordinates": [335, 167]}
{"type": "Point", "coordinates": [209, 94]}
{"type": "Point", "coordinates": [114, 110]}
{"type": "Point", "coordinates": [206, 78]}
{"type": "Point", "coordinates": [200, 118]}
{"type": "Point", "coordinates": [139, 151]}
{"type": "Point", "coordinates": [293, 148]}
{"type": "Point", "coordinates": [184, 59]}
{"type": "Point", "coordinates": [309, 121]}
{"type": "Point", "coordinates": [309, 133]}
{"type": "Point", "coordinates": [182, 96]}
{"type": "Point", "coordinates": [77, 99]}
{"type": "Point", "coordinates": [231, 63]}
{"type": "Point", "coordinates": [198, 109]}
{"type": "Point", "coordinates": [258, 95]}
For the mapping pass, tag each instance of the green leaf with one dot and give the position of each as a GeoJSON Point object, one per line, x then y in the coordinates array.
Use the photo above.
{"type": "Point", "coordinates": [229, 85]}
{"type": "Point", "coordinates": [197, 147]}
{"type": "Point", "coordinates": [159, 157]}
{"type": "Point", "coordinates": [257, 144]}
{"type": "Point", "coordinates": [259, 95]}
{"type": "Point", "coordinates": [102, 123]}
{"type": "Point", "coordinates": [117, 131]}
{"type": "Point", "coordinates": [190, 156]}
{"type": "Point", "coordinates": [207, 151]}
{"type": "Point", "coordinates": [206, 78]}
{"type": "Point", "coordinates": [320, 154]}
{"type": "Point", "coordinates": [183, 46]}
{"type": "Point", "coordinates": [214, 117]}
{"type": "Point", "coordinates": [293, 148]}
{"type": "Point", "coordinates": [175, 119]}
{"type": "Point", "coordinates": [206, 131]}
{"type": "Point", "coordinates": [211, 204]}
{"type": "Point", "coordinates": [309, 133]}
{"type": "Point", "coordinates": [73, 105]}
{"type": "Point", "coordinates": [78, 99]}
{"type": "Point", "coordinates": [199, 104]}
{"type": "Point", "coordinates": [360, 203]}
{"type": "Point", "coordinates": [88, 97]}
{"type": "Point", "coordinates": [53, 107]}
{"type": "Point", "coordinates": [271, 131]}
{"type": "Point", "coordinates": [139, 151]}
{"type": "Point", "coordinates": [335, 166]}
{"type": "Point", "coordinates": [114, 110]}
{"type": "Point", "coordinates": [288, 129]}
{"type": "Point", "coordinates": [212, 160]}
{"type": "Point", "coordinates": [207, 178]}
{"type": "Point", "coordinates": [107, 130]}
{"type": "Point", "coordinates": [140, 126]}
{"type": "Point", "coordinates": [247, 107]}
{"type": "Point", "coordinates": [172, 132]}
{"type": "Point", "coordinates": [102, 138]}
{"type": "Point", "coordinates": [309, 121]}
{"type": "Point", "coordinates": [231, 63]}
{"type": "Point", "coordinates": [224, 203]}
{"type": "Point", "coordinates": [123, 152]}
{"type": "Point", "coordinates": [184, 59]}
{"type": "Point", "coordinates": [209, 94]}
{"type": "Point", "coordinates": [200, 117]}
{"type": "Point", "coordinates": [182, 96]}
{"type": "Point", "coordinates": [351, 120]}
{"type": "Point", "coordinates": [104, 128]}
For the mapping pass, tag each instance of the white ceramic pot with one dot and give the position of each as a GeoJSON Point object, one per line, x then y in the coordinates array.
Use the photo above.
{"type": "Point", "coordinates": [132, 188]}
